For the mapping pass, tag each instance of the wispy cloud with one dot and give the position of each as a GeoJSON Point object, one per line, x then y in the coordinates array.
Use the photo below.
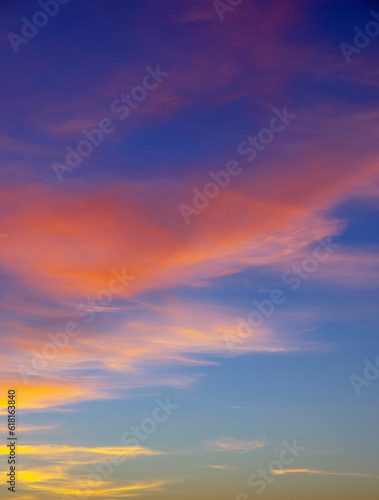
{"type": "Point", "coordinates": [220, 467]}
{"type": "Point", "coordinates": [131, 490]}
{"type": "Point", "coordinates": [233, 445]}
{"type": "Point", "coordinates": [30, 428]}
{"type": "Point", "coordinates": [323, 472]}
{"type": "Point", "coordinates": [72, 455]}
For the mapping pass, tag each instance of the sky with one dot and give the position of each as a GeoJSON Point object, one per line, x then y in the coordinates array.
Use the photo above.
{"type": "Point", "coordinates": [188, 249]}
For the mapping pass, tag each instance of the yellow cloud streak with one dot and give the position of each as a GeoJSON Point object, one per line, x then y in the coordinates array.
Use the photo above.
{"type": "Point", "coordinates": [322, 472]}
{"type": "Point", "coordinates": [71, 455]}
{"type": "Point", "coordinates": [29, 428]}
{"type": "Point", "coordinates": [57, 480]}
{"type": "Point", "coordinates": [220, 467]}
{"type": "Point", "coordinates": [121, 491]}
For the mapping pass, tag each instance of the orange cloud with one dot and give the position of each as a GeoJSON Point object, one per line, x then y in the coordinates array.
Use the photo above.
{"type": "Point", "coordinates": [76, 238]}
{"type": "Point", "coordinates": [42, 393]}
{"type": "Point", "coordinates": [84, 239]}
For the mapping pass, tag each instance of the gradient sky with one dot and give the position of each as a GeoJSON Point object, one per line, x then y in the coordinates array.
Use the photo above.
{"type": "Point", "coordinates": [171, 330]}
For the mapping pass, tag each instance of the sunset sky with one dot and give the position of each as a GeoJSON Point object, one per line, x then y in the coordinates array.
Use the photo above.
{"type": "Point", "coordinates": [188, 248]}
